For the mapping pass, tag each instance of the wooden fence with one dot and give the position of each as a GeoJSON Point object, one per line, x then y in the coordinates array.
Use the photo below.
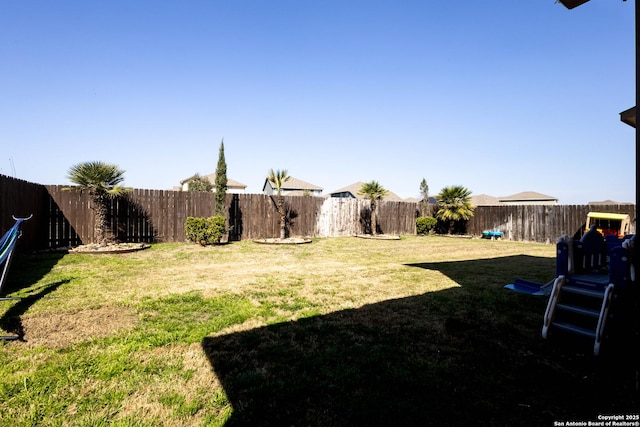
{"type": "Point", "coordinates": [21, 199]}
{"type": "Point", "coordinates": [159, 216]}
{"type": "Point", "coordinates": [64, 218]}
{"type": "Point", "coordinates": [539, 223]}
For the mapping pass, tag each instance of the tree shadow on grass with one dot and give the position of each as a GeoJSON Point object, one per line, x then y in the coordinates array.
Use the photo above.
{"type": "Point", "coordinates": [467, 355]}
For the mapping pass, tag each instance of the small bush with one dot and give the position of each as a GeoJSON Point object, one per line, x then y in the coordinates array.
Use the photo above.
{"type": "Point", "coordinates": [425, 224]}
{"type": "Point", "coordinates": [205, 231]}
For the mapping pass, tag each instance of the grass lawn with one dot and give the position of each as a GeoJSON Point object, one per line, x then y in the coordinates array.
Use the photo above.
{"type": "Point", "coordinates": [339, 332]}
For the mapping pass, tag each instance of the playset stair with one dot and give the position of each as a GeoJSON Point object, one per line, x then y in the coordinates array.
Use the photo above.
{"type": "Point", "coordinates": [579, 307]}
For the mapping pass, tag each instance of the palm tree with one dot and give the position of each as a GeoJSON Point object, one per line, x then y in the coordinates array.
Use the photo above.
{"type": "Point", "coordinates": [102, 181]}
{"type": "Point", "coordinates": [278, 178]}
{"type": "Point", "coordinates": [374, 192]}
{"type": "Point", "coordinates": [454, 205]}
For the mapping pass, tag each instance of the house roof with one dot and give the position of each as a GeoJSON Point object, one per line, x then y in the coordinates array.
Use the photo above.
{"type": "Point", "coordinates": [212, 179]}
{"type": "Point", "coordinates": [484, 200]}
{"type": "Point", "coordinates": [356, 186]}
{"type": "Point", "coordinates": [293, 184]}
{"type": "Point", "coordinates": [432, 200]}
{"type": "Point", "coordinates": [606, 202]}
{"type": "Point", "coordinates": [230, 182]}
{"type": "Point", "coordinates": [528, 196]}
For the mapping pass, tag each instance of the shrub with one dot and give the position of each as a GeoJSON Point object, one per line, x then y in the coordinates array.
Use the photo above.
{"type": "Point", "coordinates": [424, 224]}
{"type": "Point", "coordinates": [205, 231]}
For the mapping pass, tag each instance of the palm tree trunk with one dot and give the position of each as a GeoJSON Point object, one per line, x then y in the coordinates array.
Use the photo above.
{"type": "Point", "coordinates": [374, 226]}
{"type": "Point", "coordinates": [100, 211]}
{"type": "Point", "coordinates": [282, 217]}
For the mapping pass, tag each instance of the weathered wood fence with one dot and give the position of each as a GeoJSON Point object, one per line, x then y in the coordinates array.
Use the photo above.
{"type": "Point", "coordinates": [65, 218]}
{"type": "Point", "coordinates": [539, 223]}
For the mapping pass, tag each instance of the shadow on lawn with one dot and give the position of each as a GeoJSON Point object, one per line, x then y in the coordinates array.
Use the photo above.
{"type": "Point", "coordinates": [469, 355]}
{"type": "Point", "coordinates": [24, 272]}
{"type": "Point", "coordinates": [10, 320]}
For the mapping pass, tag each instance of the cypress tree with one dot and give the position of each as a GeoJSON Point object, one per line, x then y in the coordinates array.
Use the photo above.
{"type": "Point", "coordinates": [221, 182]}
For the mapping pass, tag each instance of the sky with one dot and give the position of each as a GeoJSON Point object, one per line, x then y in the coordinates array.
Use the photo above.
{"type": "Point", "coordinates": [498, 96]}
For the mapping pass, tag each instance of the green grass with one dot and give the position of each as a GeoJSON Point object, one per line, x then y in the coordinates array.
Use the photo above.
{"type": "Point", "coordinates": [341, 331]}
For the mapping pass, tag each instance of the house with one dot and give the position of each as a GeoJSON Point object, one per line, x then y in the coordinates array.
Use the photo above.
{"type": "Point", "coordinates": [607, 202]}
{"type": "Point", "coordinates": [524, 198]}
{"type": "Point", "coordinates": [292, 187]}
{"type": "Point", "coordinates": [484, 200]}
{"type": "Point", "coordinates": [528, 198]}
{"type": "Point", "coordinates": [233, 187]}
{"type": "Point", "coordinates": [432, 200]}
{"type": "Point", "coordinates": [351, 191]}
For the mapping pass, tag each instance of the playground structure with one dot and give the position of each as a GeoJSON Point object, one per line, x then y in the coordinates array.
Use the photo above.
{"type": "Point", "coordinates": [608, 224]}
{"type": "Point", "coordinates": [7, 247]}
{"type": "Point", "coordinates": [614, 227]}
{"type": "Point", "coordinates": [594, 293]}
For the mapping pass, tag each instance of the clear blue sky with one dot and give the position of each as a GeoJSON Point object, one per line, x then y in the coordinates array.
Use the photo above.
{"type": "Point", "coordinates": [499, 96]}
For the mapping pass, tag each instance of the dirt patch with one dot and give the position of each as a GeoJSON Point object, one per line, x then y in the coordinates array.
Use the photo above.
{"type": "Point", "coordinates": [60, 330]}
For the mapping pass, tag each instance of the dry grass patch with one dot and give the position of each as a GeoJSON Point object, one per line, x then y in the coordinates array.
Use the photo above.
{"type": "Point", "coordinates": [60, 330]}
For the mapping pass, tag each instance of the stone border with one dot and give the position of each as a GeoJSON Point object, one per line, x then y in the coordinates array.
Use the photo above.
{"type": "Point", "coordinates": [121, 248]}
{"type": "Point", "coordinates": [378, 236]}
{"type": "Point", "coordinates": [278, 241]}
